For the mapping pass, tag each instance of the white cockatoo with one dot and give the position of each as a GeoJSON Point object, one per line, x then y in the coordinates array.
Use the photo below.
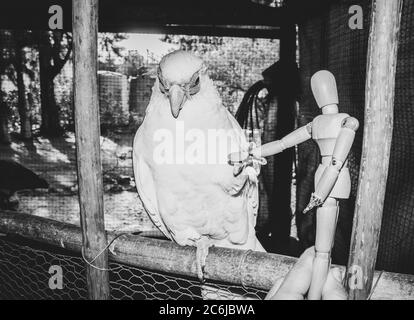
{"type": "Point", "coordinates": [188, 188]}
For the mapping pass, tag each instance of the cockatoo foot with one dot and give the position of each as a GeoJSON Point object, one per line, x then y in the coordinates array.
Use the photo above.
{"type": "Point", "coordinates": [201, 255]}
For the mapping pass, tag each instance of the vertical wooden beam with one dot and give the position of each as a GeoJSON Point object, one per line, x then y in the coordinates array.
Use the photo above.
{"type": "Point", "coordinates": [378, 125]}
{"type": "Point", "coordinates": [85, 35]}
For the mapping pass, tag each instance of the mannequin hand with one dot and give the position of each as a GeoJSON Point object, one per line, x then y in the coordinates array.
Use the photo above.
{"type": "Point", "coordinates": [244, 159]}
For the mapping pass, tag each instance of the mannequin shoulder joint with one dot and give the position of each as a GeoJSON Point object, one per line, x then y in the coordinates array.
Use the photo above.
{"type": "Point", "coordinates": [350, 123]}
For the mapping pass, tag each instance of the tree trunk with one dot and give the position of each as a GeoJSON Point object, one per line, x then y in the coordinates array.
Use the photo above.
{"type": "Point", "coordinates": [4, 122]}
{"type": "Point", "coordinates": [22, 105]}
{"type": "Point", "coordinates": [50, 113]}
{"type": "Point", "coordinates": [49, 110]}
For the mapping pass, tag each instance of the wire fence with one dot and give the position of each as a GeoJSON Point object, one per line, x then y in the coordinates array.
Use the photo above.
{"type": "Point", "coordinates": [24, 273]}
{"type": "Point", "coordinates": [29, 270]}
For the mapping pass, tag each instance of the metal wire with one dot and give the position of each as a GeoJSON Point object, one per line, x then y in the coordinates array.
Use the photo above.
{"type": "Point", "coordinates": [24, 274]}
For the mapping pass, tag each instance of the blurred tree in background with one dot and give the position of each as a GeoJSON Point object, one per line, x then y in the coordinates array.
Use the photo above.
{"type": "Point", "coordinates": [54, 50]}
{"type": "Point", "coordinates": [133, 64]}
{"type": "Point", "coordinates": [5, 61]}
{"type": "Point", "coordinates": [109, 51]}
{"type": "Point", "coordinates": [36, 93]}
{"type": "Point", "coordinates": [25, 74]}
{"type": "Point", "coordinates": [18, 69]}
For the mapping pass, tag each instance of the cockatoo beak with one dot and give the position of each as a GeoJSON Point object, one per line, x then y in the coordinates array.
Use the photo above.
{"type": "Point", "coordinates": [177, 99]}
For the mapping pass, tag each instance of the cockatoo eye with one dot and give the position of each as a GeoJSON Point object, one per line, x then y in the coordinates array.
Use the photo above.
{"type": "Point", "coordinates": [194, 87]}
{"type": "Point", "coordinates": [190, 88]}
{"type": "Point", "coordinates": [197, 81]}
{"type": "Point", "coordinates": [163, 88]}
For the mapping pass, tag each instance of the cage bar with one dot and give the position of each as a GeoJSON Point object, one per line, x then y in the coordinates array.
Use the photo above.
{"type": "Point", "coordinates": [85, 88]}
{"type": "Point", "coordinates": [378, 128]}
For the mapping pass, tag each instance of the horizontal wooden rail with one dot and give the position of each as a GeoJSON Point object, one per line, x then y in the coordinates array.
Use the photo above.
{"type": "Point", "coordinates": [252, 269]}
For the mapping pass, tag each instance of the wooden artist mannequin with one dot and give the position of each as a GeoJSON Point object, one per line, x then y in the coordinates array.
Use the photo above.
{"type": "Point", "coordinates": [334, 133]}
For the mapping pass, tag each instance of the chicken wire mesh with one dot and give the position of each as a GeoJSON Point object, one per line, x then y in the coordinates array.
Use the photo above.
{"type": "Point", "coordinates": [27, 269]}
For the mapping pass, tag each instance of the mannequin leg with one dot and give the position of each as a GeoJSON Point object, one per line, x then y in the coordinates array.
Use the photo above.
{"type": "Point", "coordinates": [326, 218]}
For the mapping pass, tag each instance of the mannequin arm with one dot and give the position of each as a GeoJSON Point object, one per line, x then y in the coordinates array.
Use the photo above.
{"type": "Point", "coordinates": [292, 139]}
{"type": "Point", "coordinates": [296, 137]}
{"type": "Point", "coordinates": [330, 175]}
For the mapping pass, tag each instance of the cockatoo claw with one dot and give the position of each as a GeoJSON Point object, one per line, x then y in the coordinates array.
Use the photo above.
{"type": "Point", "coordinates": [200, 272]}
{"type": "Point", "coordinates": [237, 169]}
{"type": "Point", "coordinates": [201, 256]}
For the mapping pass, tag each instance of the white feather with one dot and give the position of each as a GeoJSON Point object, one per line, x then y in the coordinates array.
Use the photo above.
{"type": "Point", "coordinates": [191, 201]}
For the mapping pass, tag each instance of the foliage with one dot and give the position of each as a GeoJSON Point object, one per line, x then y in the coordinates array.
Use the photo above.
{"type": "Point", "coordinates": [133, 64]}
{"type": "Point", "coordinates": [234, 63]}
{"type": "Point", "coordinates": [64, 96]}
{"type": "Point", "coordinates": [109, 50]}
{"type": "Point", "coordinates": [59, 51]}
{"type": "Point", "coordinates": [26, 40]}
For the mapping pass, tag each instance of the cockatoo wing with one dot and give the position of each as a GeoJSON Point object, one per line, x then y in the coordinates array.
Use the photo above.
{"type": "Point", "coordinates": [245, 183]}
{"type": "Point", "coordinates": [145, 185]}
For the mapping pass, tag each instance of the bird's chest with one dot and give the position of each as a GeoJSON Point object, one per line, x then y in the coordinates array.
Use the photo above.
{"type": "Point", "coordinates": [189, 146]}
{"type": "Point", "coordinates": [190, 200]}
{"type": "Point", "coordinates": [187, 170]}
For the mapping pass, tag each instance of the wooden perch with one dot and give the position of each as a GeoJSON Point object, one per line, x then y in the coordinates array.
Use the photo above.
{"type": "Point", "coordinates": [234, 267]}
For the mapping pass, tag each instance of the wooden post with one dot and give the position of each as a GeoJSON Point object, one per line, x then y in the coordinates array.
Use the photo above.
{"type": "Point", "coordinates": [85, 34]}
{"type": "Point", "coordinates": [379, 104]}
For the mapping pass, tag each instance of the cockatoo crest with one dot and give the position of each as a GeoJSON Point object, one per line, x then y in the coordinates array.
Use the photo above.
{"type": "Point", "coordinates": [179, 66]}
